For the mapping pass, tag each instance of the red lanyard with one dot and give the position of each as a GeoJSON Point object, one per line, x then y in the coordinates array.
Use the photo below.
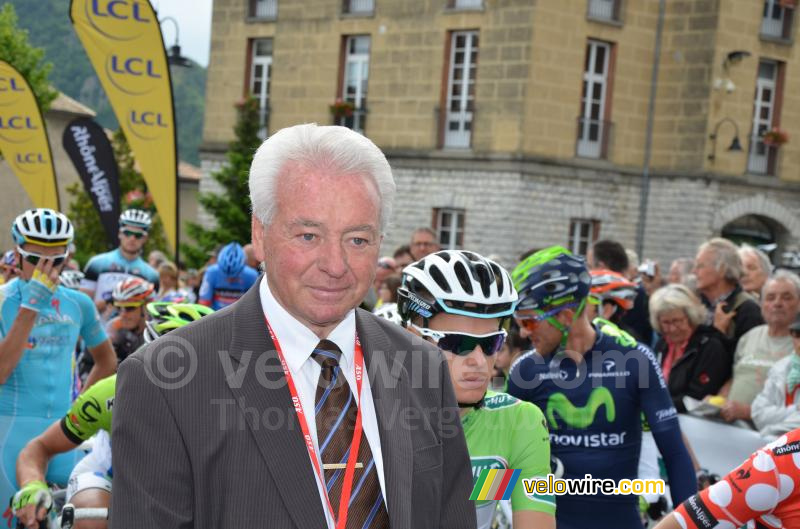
{"type": "Point", "coordinates": [344, 499]}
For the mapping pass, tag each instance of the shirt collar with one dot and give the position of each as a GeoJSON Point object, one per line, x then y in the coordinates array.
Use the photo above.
{"type": "Point", "coordinates": [298, 341]}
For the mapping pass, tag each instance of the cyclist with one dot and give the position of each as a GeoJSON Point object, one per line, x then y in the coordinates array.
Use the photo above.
{"type": "Point", "coordinates": [593, 384]}
{"type": "Point", "coordinates": [40, 323]}
{"type": "Point", "coordinates": [460, 301]}
{"type": "Point", "coordinates": [613, 296]}
{"type": "Point", "coordinates": [763, 492]}
{"type": "Point", "coordinates": [104, 271]}
{"type": "Point", "coordinates": [228, 279]}
{"type": "Point", "coordinates": [126, 330]}
{"type": "Point", "coordinates": [90, 415]}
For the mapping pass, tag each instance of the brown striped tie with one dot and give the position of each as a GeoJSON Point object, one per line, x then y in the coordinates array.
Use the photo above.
{"type": "Point", "coordinates": [336, 410]}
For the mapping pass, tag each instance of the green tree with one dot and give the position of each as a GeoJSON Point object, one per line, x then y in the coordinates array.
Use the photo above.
{"type": "Point", "coordinates": [231, 207]}
{"type": "Point", "coordinates": [16, 50]}
{"type": "Point", "coordinates": [90, 237]}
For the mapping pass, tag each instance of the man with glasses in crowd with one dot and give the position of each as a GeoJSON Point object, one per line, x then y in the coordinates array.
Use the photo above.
{"type": "Point", "coordinates": [40, 324]}
{"type": "Point", "coordinates": [103, 272]}
{"type": "Point", "coordinates": [593, 385]}
{"type": "Point", "coordinates": [126, 330]}
{"type": "Point", "coordinates": [423, 242]}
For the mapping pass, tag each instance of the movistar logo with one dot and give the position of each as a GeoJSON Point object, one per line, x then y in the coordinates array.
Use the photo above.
{"type": "Point", "coordinates": [579, 417]}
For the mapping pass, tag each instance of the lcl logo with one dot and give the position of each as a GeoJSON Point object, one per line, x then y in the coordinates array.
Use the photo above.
{"type": "Point", "coordinates": [16, 123]}
{"type": "Point", "coordinates": [133, 66]}
{"type": "Point", "coordinates": [119, 9]}
{"type": "Point", "coordinates": [30, 158]}
{"type": "Point", "coordinates": [150, 119]}
{"type": "Point", "coordinates": [9, 84]}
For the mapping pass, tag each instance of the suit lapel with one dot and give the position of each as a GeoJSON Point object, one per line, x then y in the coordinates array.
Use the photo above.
{"type": "Point", "coordinates": [262, 387]}
{"type": "Point", "coordinates": [390, 393]}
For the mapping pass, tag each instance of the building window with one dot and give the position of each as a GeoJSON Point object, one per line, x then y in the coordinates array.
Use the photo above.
{"type": "Point", "coordinates": [593, 128]}
{"type": "Point", "coordinates": [260, 73]}
{"type": "Point", "coordinates": [354, 81]}
{"type": "Point", "coordinates": [267, 9]}
{"type": "Point", "coordinates": [582, 234]}
{"type": "Point", "coordinates": [777, 19]}
{"type": "Point", "coordinates": [460, 104]}
{"type": "Point", "coordinates": [359, 7]}
{"type": "Point", "coordinates": [762, 158]}
{"type": "Point", "coordinates": [465, 4]}
{"type": "Point", "coordinates": [606, 10]}
{"type": "Point", "coordinates": [449, 228]}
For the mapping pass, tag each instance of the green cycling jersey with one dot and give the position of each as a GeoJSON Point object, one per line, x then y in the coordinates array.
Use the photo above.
{"type": "Point", "coordinates": [507, 433]}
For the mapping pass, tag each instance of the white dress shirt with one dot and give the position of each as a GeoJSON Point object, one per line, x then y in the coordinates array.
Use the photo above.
{"type": "Point", "coordinates": [297, 343]}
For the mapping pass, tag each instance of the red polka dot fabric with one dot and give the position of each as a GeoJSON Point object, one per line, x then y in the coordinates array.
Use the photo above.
{"type": "Point", "coordinates": [764, 491]}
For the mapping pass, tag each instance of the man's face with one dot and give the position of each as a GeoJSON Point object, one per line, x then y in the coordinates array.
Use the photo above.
{"type": "Point", "coordinates": [544, 337]}
{"type": "Point", "coordinates": [780, 304]}
{"type": "Point", "coordinates": [131, 239]}
{"type": "Point", "coordinates": [471, 373]}
{"type": "Point", "coordinates": [705, 270]}
{"type": "Point", "coordinates": [674, 275]}
{"type": "Point", "coordinates": [131, 317]}
{"type": "Point", "coordinates": [321, 248]}
{"type": "Point", "coordinates": [403, 260]}
{"type": "Point", "coordinates": [754, 276]}
{"type": "Point", "coordinates": [37, 251]}
{"type": "Point", "coordinates": [422, 244]}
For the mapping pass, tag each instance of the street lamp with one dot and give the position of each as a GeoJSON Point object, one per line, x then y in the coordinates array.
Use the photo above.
{"type": "Point", "coordinates": [174, 58]}
{"type": "Point", "coordinates": [735, 146]}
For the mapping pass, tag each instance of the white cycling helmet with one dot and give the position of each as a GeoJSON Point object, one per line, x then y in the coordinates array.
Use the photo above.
{"type": "Point", "coordinates": [388, 311]}
{"type": "Point", "coordinates": [456, 282]}
{"type": "Point", "coordinates": [132, 291]}
{"type": "Point", "coordinates": [71, 279]}
{"type": "Point", "coordinates": [136, 218]}
{"type": "Point", "coordinates": [42, 226]}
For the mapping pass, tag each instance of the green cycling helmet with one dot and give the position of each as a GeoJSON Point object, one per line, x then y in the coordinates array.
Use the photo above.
{"type": "Point", "coordinates": [165, 316]}
{"type": "Point", "coordinates": [551, 277]}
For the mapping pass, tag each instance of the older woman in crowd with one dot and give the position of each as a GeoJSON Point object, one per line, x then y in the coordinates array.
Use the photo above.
{"type": "Point", "coordinates": [756, 268]}
{"type": "Point", "coordinates": [694, 359]}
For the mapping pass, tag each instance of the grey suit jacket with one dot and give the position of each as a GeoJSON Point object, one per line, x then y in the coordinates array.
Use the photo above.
{"type": "Point", "coordinates": [205, 435]}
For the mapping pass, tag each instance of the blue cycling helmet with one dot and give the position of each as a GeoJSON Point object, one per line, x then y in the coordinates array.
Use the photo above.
{"type": "Point", "coordinates": [231, 259]}
{"type": "Point", "coordinates": [551, 277]}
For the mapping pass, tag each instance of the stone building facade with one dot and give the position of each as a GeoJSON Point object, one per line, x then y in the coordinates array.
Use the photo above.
{"type": "Point", "coordinates": [513, 124]}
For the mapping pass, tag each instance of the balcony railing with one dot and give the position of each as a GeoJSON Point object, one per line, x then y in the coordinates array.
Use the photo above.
{"type": "Point", "coordinates": [359, 7]}
{"type": "Point", "coordinates": [777, 20]}
{"type": "Point", "coordinates": [266, 9]}
{"type": "Point", "coordinates": [762, 158]}
{"type": "Point", "coordinates": [594, 138]}
{"type": "Point", "coordinates": [604, 10]}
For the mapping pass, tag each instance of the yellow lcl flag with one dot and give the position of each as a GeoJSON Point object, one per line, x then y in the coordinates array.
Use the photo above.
{"type": "Point", "coordinates": [23, 138]}
{"type": "Point", "coordinates": [123, 41]}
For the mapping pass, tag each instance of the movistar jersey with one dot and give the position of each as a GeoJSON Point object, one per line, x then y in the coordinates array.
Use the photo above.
{"type": "Point", "coordinates": [104, 271]}
{"type": "Point", "coordinates": [507, 433]}
{"type": "Point", "coordinates": [593, 409]}
{"type": "Point", "coordinates": [91, 412]}
{"type": "Point", "coordinates": [38, 390]}
{"type": "Point", "coordinates": [219, 290]}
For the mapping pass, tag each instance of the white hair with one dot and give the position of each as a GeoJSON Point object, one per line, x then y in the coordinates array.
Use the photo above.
{"type": "Point", "coordinates": [763, 260]}
{"type": "Point", "coordinates": [337, 150]}
{"type": "Point", "coordinates": [676, 297]}
{"type": "Point", "coordinates": [726, 258]}
{"type": "Point", "coordinates": [782, 275]}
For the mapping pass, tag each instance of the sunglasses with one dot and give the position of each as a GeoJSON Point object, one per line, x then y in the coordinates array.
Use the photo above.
{"type": "Point", "coordinates": [530, 322]}
{"type": "Point", "coordinates": [131, 233]}
{"type": "Point", "coordinates": [128, 308]}
{"type": "Point", "coordinates": [33, 258]}
{"type": "Point", "coordinates": [463, 343]}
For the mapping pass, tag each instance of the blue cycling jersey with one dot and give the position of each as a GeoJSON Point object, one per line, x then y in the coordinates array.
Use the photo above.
{"type": "Point", "coordinates": [219, 290]}
{"type": "Point", "coordinates": [38, 391]}
{"type": "Point", "coordinates": [593, 409]}
{"type": "Point", "coordinates": [104, 271]}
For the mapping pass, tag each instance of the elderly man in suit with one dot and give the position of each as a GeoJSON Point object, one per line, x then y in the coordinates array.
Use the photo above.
{"type": "Point", "coordinates": [251, 417]}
